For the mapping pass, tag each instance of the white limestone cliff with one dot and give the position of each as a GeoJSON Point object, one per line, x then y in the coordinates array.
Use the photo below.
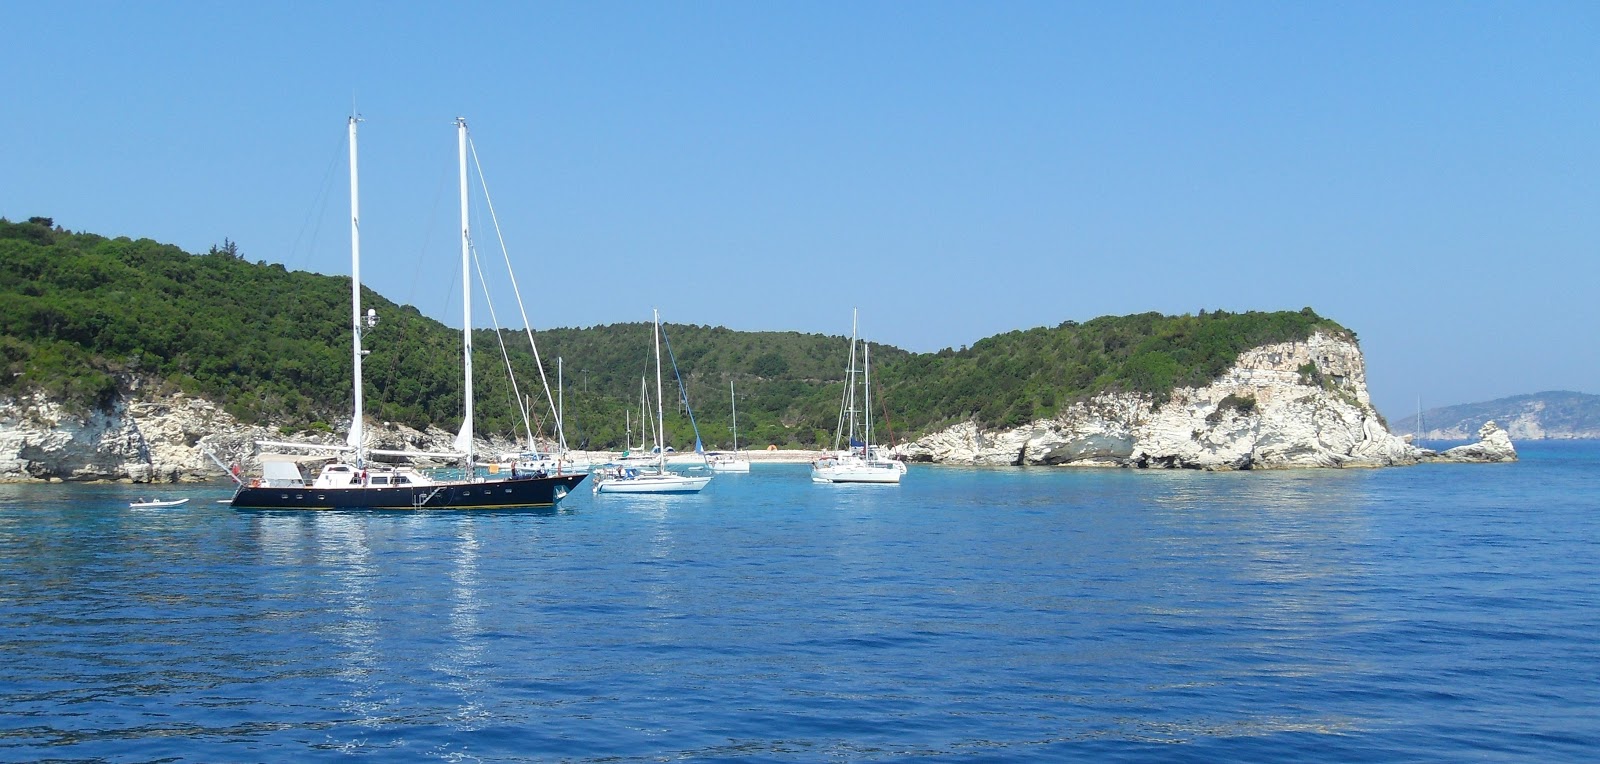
{"type": "Point", "coordinates": [149, 436]}
{"type": "Point", "coordinates": [1494, 445]}
{"type": "Point", "coordinates": [1292, 404]}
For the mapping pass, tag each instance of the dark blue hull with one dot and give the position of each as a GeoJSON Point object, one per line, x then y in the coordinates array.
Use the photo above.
{"type": "Point", "coordinates": [495, 494]}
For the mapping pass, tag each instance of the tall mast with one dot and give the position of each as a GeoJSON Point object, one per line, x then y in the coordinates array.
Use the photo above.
{"type": "Point", "coordinates": [464, 439]}
{"type": "Point", "coordinates": [561, 408]}
{"type": "Point", "coordinates": [866, 397]}
{"type": "Point", "coordinates": [357, 429]}
{"type": "Point", "coordinates": [733, 404]}
{"type": "Point", "coordinates": [851, 394]}
{"type": "Point", "coordinates": [661, 421]}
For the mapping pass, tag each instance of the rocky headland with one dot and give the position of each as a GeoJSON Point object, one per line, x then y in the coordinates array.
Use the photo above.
{"type": "Point", "coordinates": [1286, 405]}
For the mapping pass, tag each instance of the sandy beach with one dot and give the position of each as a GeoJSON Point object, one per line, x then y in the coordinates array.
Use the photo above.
{"type": "Point", "coordinates": [775, 456]}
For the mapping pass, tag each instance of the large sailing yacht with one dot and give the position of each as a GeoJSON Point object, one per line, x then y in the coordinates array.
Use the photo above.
{"type": "Point", "coordinates": [350, 478]}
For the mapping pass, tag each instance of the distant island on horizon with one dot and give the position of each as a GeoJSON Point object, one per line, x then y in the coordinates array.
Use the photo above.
{"type": "Point", "coordinates": [1550, 415]}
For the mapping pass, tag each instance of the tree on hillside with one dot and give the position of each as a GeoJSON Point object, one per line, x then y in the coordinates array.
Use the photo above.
{"type": "Point", "coordinates": [229, 248]}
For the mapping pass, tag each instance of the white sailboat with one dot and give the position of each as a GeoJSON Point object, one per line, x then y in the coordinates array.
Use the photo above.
{"type": "Point", "coordinates": [734, 462]}
{"type": "Point", "coordinates": [641, 456]}
{"type": "Point", "coordinates": [654, 478]}
{"type": "Point", "coordinates": [860, 462]}
{"type": "Point", "coordinates": [560, 459]}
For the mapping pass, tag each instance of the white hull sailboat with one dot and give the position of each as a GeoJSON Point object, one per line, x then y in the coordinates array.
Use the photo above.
{"type": "Point", "coordinates": [633, 480]}
{"type": "Point", "coordinates": [727, 462]}
{"type": "Point", "coordinates": [734, 462]}
{"type": "Point", "coordinates": [860, 462]}
{"type": "Point", "coordinates": [560, 460]}
{"type": "Point", "coordinates": [655, 478]}
{"type": "Point", "coordinates": [844, 469]}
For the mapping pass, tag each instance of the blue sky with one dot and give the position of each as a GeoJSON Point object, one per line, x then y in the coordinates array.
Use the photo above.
{"type": "Point", "coordinates": [1427, 174]}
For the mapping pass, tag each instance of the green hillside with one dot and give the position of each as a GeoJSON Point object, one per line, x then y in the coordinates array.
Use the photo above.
{"type": "Point", "coordinates": [79, 311]}
{"type": "Point", "coordinates": [1013, 378]}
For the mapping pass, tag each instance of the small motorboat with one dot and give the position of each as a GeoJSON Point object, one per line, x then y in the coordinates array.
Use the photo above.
{"type": "Point", "coordinates": [142, 504]}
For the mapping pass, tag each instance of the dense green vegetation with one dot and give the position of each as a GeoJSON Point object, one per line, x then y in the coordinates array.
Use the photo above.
{"type": "Point", "coordinates": [81, 314]}
{"type": "Point", "coordinates": [1019, 376]}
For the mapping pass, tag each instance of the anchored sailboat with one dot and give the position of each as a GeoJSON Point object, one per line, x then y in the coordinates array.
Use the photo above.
{"type": "Point", "coordinates": [352, 480]}
{"type": "Point", "coordinates": [734, 462]}
{"type": "Point", "coordinates": [860, 462]}
{"type": "Point", "coordinates": [654, 478]}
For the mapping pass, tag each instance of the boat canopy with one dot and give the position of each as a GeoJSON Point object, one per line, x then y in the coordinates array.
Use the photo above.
{"type": "Point", "coordinates": [268, 458]}
{"type": "Point", "coordinates": [281, 473]}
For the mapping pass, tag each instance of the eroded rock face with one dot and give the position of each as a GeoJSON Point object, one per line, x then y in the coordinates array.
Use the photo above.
{"type": "Point", "coordinates": [153, 437]}
{"type": "Point", "coordinates": [156, 439]}
{"type": "Point", "coordinates": [1293, 404]}
{"type": "Point", "coordinates": [39, 441]}
{"type": "Point", "coordinates": [1494, 445]}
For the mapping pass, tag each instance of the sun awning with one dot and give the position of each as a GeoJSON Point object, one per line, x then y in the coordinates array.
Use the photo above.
{"type": "Point", "coordinates": [297, 458]}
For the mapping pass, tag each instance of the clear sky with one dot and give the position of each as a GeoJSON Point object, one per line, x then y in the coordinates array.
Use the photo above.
{"type": "Point", "coordinates": [1428, 174]}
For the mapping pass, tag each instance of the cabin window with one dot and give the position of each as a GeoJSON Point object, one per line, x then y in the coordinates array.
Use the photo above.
{"type": "Point", "coordinates": [380, 480]}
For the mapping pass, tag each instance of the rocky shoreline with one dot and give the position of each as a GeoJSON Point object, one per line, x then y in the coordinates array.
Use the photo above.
{"type": "Point", "coordinates": [1288, 405]}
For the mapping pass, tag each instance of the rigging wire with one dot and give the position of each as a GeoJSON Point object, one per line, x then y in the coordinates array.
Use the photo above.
{"type": "Point", "coordinates": [427, 237]}
{"type": "Point", "coordinates": [885, 405]}
{"type": "Point", "coordinates": [516, 393]}
{"type": "Point", "coordinates": [847, 405]}
{"type": "Point", "coordinates": [683, 393]}
{"type": "Point", "coordinates": [506, 253]}
{"type": "Point", "coordinates": [319, 208]}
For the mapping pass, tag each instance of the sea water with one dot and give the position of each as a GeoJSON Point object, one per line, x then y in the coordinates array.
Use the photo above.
{"type": "Point", "coordinates": [1433, 613]}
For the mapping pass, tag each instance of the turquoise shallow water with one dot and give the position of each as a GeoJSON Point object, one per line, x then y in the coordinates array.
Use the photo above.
{"type": "Point", "coordinates": [1437, 613]}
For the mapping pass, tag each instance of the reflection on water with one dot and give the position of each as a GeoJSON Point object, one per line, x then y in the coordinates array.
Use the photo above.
{"type": "Point", "coordinates": [463, 660]}
{"type": "Point", "coordinates": [343, 557]}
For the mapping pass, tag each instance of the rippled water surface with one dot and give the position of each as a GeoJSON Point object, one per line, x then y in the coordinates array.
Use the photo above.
{"type": "Point", "coordinates": [1436, 613]}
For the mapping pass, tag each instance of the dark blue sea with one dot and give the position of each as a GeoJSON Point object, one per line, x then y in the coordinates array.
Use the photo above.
{"type": "Point", "coordinates": [1438, 613]}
